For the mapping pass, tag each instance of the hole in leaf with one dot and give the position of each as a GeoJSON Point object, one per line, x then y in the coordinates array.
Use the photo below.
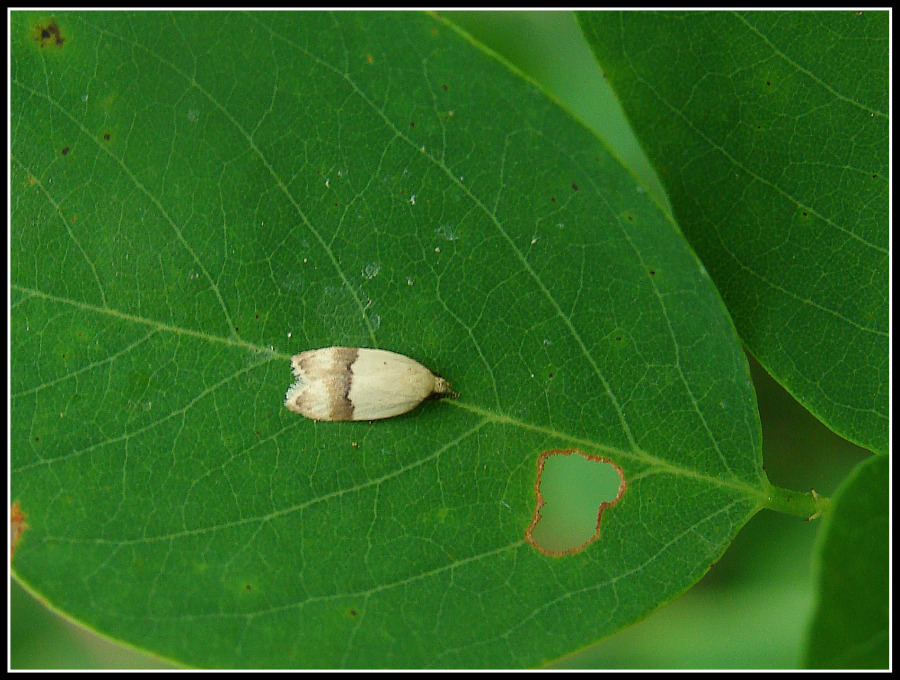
{"type": "Point", "coordinates": [572, 493]}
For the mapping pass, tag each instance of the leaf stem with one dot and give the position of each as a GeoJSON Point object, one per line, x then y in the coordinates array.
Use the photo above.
{"type": "Point", "coordinates": [808, 505]}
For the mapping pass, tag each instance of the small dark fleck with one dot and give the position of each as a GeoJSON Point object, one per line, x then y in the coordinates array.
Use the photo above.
{"type": "Point", "coordinates": [445, 87]}
{"type": "Point", "coordinates": [874, 175]}
{"type": "Point", "coordinates": [65, 151]}
{"type": "Point", "coordinates": [630, 218]}
{"type": "Point", "coordinates": [769, 83]}
{"type": "Point", "coordinates": [574, 186]}
{"type": "Point", "coordinates": [248, 586]}
{"type": "Point", "coordinates": [652, 272]}
{"type": "Point", "coordinates": [352, 612]}
{"type": "Point", "coordinates": [37, 439]}
{"type": "Point", "coordinates": [257, 316]}
{"type": "Point", "coordinates": [106, 136]}
{"type": "Point", "coordinates": [550, 375]}
{"type": "Point", "coordinates": [805, 213]}
{"type": "Point", "coordinates": [553, 199]}
{"type": "Point", "coordinates": [618, 338]}
{"type": "Point", "coordinates": [236, 329]}
{"type": "Point", "coordinates": [412, 124]}
{"type": "Point", "coordinates": [49, 35]}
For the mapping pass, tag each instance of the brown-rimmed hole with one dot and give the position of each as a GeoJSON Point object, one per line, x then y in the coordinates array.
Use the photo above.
{"type": "Point", "coordinates": [572, 493]}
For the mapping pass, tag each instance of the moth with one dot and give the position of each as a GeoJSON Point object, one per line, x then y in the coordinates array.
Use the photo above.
{"type": "Point", "coordinates": [357, 383]}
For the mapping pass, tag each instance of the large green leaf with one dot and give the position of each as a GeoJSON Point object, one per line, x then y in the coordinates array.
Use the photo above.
{"type": "Point", "coordinates": [769, 131]}
{"type": "Point", "coordinates": [851, 626]}
{"type": "Point", "coordinates": [198, 196]}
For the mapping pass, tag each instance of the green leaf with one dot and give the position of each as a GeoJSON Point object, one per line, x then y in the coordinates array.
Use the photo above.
{"type": "Point", "coordinates": [236, 188]}
{"type": "Point", "coordinates": [850, 628]}
{"type": "Point", "coordinates": [769, 131]}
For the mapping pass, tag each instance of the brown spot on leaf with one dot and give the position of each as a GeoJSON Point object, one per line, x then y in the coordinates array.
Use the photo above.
{"type": "Point", "coordinates": [48, 34]}
{"type": "Point", "coordinates": [65, 151]}
{"type": "Point", "coordinates": [106, 136]}
{"type": "Point", "coordinates": [17, 526]}
{"type": "Point", "coordinates": [540, 499]}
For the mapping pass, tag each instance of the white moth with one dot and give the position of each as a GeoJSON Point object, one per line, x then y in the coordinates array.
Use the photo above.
{"type": "Point", "coordinates": [356, 383]}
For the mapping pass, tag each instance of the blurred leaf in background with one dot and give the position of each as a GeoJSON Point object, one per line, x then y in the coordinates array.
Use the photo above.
{"type": "Point", "coordinates": [851, 626]}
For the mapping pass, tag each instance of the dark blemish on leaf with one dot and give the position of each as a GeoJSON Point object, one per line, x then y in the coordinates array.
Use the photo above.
{"type": "Point", "coordinates": [65, 151]}
{"type": "Point", "coordinates": [553, 199]}
{"type": "Point", "coordinates": [248, 586]}
{"type": "Point", "coordinates": [574, 186]}
{"type": "Point", "coordinates": [48, 34]}
{"type": "Point", "coordinates": [445, 87]}
{"type": "Point", "coordinates": [652, 272]}
{"type": "Point", "coordinates": [257, 316]}
{"type": "Point", "coordinates": [17, 526]}
{"type": "Point", "coordinates": [352, 612]}
{"type": "Point", "coordinates": [37, 439]}
{"type": "Point", "coordinates": [106, 136]}
{"type": "Point", "coordinates": [550, 376]}
{"type": "Point", "coordinates": [805, 213]}
{"type": "Point", "coordinates": [237, 329]}
{"type": "Point", "coordinates": [874, 175]}
{"type": "Point", "coordinates": [412, 124]}
{"type": "Point", "coordinates": [769, 83]}
{"type": "Point", "coordinates": [630, 218]}
{"type": "Point", "coordinates": [618, 338]}
{"type": "Point", "coordinates": [540, 499]}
